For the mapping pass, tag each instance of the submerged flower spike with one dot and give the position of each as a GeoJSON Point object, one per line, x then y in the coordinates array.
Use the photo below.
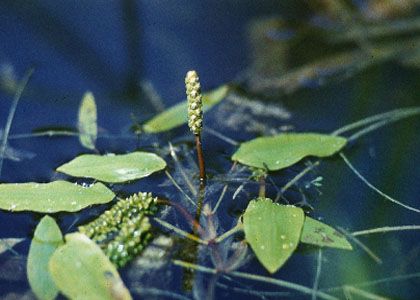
{"type": "Point", "coordinates": [124, 230]}
{"type": "Point", "coordinates": [195, 111]}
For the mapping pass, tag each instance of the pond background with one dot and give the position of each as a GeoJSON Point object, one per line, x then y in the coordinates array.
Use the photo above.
{"type": "Point", "coordinates": [117, 49]}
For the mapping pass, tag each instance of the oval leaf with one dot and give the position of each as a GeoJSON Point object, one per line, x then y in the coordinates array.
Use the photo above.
{"type": "Point", "coordinates": [281, 151]}
{"type": "Point", "coordinates": [114, 168]}
{"type": "Point", "coordinates": [273, 231]}
{"type": "Point", "coordinates": [47, 238]}
{"type": "Point", "coordinates": [320, 234]}
{"type": "Point", "coordinates": [82, 271]}
{"type": "Point", "coordinates": [177, 114]}
{"type": "Point", "coordinates": [88, 128]}
{"type": "Point", "coordinates": [52, 197]}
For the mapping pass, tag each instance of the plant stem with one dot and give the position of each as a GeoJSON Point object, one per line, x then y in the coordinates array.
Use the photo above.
{"type": "Point", "coordinates": [299, 176]}
{"type": "Point", "coordinates": [391, 116]}
{"type": "Point", "coordinates": [362, 178]}
{"type": "Point", "coordinates": [200, 200]}
{"type": "Point", "coordinates": [261, 191]}
{"type": "Point", "coordinates": [18, 95]}
{"type": "Point", "coordinates": [202, 188]}
{"type": "Point", "coordinates": [194, 224]}
{"type": "Point", "coordinates": [179, 188]}
{"type": "Point", "coordinates": [233, 230]}
{"type": "Point", "coordinates": [180, 231]}
{"type": "Point", "coordinates": [191, 187]}
{"type": "Point", "coordinates": [278, 282]}
{"type": "Point", "coordinates": [200, 157]}
{"type": "Point", "coordinates": [386, 229]}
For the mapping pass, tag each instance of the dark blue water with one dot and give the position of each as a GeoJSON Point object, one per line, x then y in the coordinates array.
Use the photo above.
{"type": "Point", "coordinates": [111, 47]}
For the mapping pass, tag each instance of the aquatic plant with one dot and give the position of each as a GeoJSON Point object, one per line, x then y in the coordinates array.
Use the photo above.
{"type": "Point", "coordinates": [271, 184]}
{"type": "Point", "coordinates": [124, 230]}
{"type": "Point", "coordinates": [273, 230]}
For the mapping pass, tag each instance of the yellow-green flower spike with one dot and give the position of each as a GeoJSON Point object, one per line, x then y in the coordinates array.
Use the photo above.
{"type": "Point", "coordinates": [195, 111]}
{"type": "Point", "coordinates": [124, 230]}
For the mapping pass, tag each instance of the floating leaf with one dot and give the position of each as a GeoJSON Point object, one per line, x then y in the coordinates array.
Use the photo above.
{"type": "Point", "coordinates": [114, 168]}
{"type": "Point", "coordinates": [7, 244]}
{"type": "Point", "coordinates": [47, 238]}
{"type": "Point", "coordinates": [320, 234]}
{"type": "Point", "coordinates": [273, 231]}
{"type": "Point", "coordinates": [88, 128]}
{"type": "Point", "coordinates": [177, 114]}
{"type": "Point", "coordinates": [81, 270]}
{"type": "Point", "coordinates": [52, 197]}
{"type": "Point", "coordinates": [281, 151]}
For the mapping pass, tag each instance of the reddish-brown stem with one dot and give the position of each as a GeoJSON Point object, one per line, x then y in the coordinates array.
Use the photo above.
{"type": "Point", "coordinates": [200, 159]}
{"type": "Point", "coordinates": [195, 225]}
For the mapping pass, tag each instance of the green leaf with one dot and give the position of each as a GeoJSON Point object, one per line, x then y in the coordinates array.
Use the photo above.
{"type": "Point", "coordinates": [320, 234]}
{"type": "Point", "coordinates": [9, 243]}
{"type": "Point", "coordinates": [81, 270]}
{"type": "Point", "coordinates": [114, 168]}
{"type": "Point", "coordinates": [273, 231]}
{"type": "Point", "coordinates": [88, 128]}
{"type": "Point", "coordinates": [52, 197]}
{"type": "Point", "coordinates": [177, 114]}
{"type": "Point", "coordinates": [47, 238]}
{"type": "Point", "coordinates": [281, 151]}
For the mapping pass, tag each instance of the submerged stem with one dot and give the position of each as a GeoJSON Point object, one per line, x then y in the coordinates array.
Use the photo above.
{"type": "Point", "coordinates": [277, 282]}
{"type": "Point", "coordinates": [230, 232]}
{"type": "Point", "coordinates": [390, 116]}
{"type": "Point", "coordinates": [16, 98]}
{"type": "Point", "coordinates": [385, 229]}
{"type": "Point", "coordinates": [180, 231]}
{"type": "Point", "coordinates": [200, 200]}
{"type": "Point", "coordinates": [362, 178]}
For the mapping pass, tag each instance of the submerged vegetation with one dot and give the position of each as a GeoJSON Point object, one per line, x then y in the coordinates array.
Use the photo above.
{"type": "Point", "coordinates": [230, 218]}
{"type": "Point", "coordinates": [272, 229]}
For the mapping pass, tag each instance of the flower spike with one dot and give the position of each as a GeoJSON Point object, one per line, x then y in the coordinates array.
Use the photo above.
{"type": "Point", "coordinates": [195, 103]}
